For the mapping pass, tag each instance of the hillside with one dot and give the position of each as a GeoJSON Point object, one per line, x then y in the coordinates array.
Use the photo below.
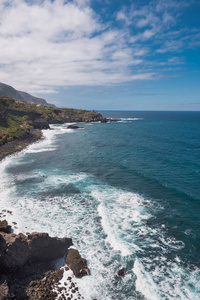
{"type": "Point", "coordinates": [9, 91]}
{"type": "Point", "coordinates": [17, 119]}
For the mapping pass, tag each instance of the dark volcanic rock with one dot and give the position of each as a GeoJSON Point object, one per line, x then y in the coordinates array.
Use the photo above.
{"type": "Point", "coordinates": [44, 248]}
{"type": "Point", "coordinates": [41, 124]}
{"type": "Point", "coordinates": [104, 121]}
{"type": "Point", "coordinates": [109, 120]}
{"type": "Point", "coordinates": [4, 289]}
{"type": "Point", "coordinates": [4, 227]}
{"type": "Point", "coordinates": [121, 272]}
{"type": "Point", "coordinates": [24, 262]}
{"type": "Point", "coordinates": [16, 250]}
{"type": "Point", "coordinates": [42, 289]}
{"type": "Point", "coordinates": [77, 264]}
{"type": "Point", "coordinates": [73, 127]}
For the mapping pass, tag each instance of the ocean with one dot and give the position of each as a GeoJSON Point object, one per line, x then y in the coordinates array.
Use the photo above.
{"type": "Point", "coordinates": [128, 193]}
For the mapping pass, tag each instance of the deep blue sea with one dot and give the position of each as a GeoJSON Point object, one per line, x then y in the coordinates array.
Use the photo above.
{"type": "Point", "coordinates": [128, 193]}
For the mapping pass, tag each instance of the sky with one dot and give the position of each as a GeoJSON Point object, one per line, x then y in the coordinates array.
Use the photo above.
{"type": "Point", "coordinates": [103, 54]}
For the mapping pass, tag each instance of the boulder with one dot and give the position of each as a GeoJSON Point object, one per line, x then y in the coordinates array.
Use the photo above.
{"type": "Point", "coordinates": [4, 227]}
{"type": "Point", "coordinates": [45, 248]}
{"type": "Point", "coordinates": [44, 288]}
{"type": "Point", "coordinates": [14, 251]}
{"type": "Point", "coordinates": [77, 264]}
{"type": "Point", "coordinates": [17, 250]}
{"type": "Point", "coordinates": [26, 271]}
{"type": "Point", "coordinates": [121, 272]}
{"type": "Point", "coordinates": [73, 127]}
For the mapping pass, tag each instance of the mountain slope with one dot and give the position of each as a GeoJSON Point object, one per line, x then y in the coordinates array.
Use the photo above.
{"type": "Point", "coordinates": [9, 91]}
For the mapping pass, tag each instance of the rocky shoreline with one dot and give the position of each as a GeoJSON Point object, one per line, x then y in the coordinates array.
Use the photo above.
{"type": "Point", "coordinates": [18, 145]}
{"type": "Point", "coordinates": [27, 269]}
{"type": "Point", "coordinates": [33, 136]}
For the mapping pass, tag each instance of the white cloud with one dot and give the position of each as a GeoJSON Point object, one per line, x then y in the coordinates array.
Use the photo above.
{"type": "Point", "coordinates": [121, 16]}
{"type": "Point", "coordinates": [47, 44]}
{"type": "Point", "coordinates": [147, 34]}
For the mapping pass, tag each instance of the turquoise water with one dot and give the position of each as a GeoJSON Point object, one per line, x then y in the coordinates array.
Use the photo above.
{"type": "Point", "coordinates": [127, 193]}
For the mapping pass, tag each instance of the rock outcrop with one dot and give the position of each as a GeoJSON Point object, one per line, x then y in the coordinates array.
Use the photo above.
{"type": "Point", "coordinates": [73, 127]}
{"type": "Point", "coordinates": [77, 264]}
{"type": "Point", "coordinates": [43, 288]}
{"type": "Point", "coordinates": [17, 250]}
{"type": "Point", "coordinates": [44, 248]}
{"type": "Point", "coordinates": [4, 227]}
{"type": "Point", "coordinates": [121, 272]}
{"type": "Point", "coordinates": [41, 124]}
{"type": "Point", "coordinates": [26, 271]}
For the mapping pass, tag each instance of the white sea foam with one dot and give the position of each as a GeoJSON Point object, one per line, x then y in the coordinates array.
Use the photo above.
{"type": "Point", "coordinates": [121, 228]}
{"type": "Point", "coordinates": [123, 218]}
{"type": "Point", "coordinates": [107, 224]}
{"type": "Point", "coordinates": [131, 119]}
{"type": "Point", "coordinates": [162, 279]}
{"type": "Point", "coordinates": [144, 282]}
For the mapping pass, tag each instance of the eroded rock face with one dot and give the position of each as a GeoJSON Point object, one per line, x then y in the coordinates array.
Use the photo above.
{"type": "Point", "coordinates": [4, 227]}
{"type": "Point", "coordinates": [16, 250]}
{"type": "Point", "coordinates": [41, 124]}
{"type": "Point", "coordinates": [44, 248]}
{"type": "Point", "coordinates": [26, 271]}
{"type": "Point", "coordinates": [77, 264]}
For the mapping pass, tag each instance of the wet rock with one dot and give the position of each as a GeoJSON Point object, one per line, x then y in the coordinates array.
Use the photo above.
{"type": "Point", "coordinates": [194, 268]}
{"type": "Point", "coordinates": [45, 248]}
{"type": "Point", "coordinates": [41, 124]}
{"type": "Point", "coordinates": [4, 227]}
{"type": "Point", "coordinates": [24, 262]}
{"type": "Point", "coordinates": [146, 203]}
{"type": "Point", "coordinates": [73, 127]}
{"type": "Point", "coordinates": [77, 264]}
{"type": "Point", "coordinates": [121, 272]}
{"type": "Point", "coordinates": [16, 250]}
{"type": "Point", "coordinates": [42, 289]}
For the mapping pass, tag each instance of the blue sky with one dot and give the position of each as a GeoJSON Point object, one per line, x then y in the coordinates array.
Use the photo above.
{"type": "Point", "coordinates": [94, 54]}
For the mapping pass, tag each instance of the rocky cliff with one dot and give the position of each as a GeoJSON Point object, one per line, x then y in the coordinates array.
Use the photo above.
{"type": "Point", "coordinates": [18, 118]}
{"type": "Point", "coordinates": [26, 268]}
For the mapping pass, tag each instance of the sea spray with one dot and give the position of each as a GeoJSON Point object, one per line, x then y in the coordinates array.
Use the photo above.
{"type": "Point", "coordinates": [98, 186]}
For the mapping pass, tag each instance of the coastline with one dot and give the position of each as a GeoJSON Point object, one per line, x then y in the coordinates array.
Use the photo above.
{"type": "Point", "coordinates": [20, 144]}
{"type": "Point", "coordinates": [42, 277]}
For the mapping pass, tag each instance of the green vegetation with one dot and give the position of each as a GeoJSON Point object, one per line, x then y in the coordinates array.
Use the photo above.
{"type": "Point", "coordinates": [12, 126]}
{"type": "Point", "coordinates": [18, 118]}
